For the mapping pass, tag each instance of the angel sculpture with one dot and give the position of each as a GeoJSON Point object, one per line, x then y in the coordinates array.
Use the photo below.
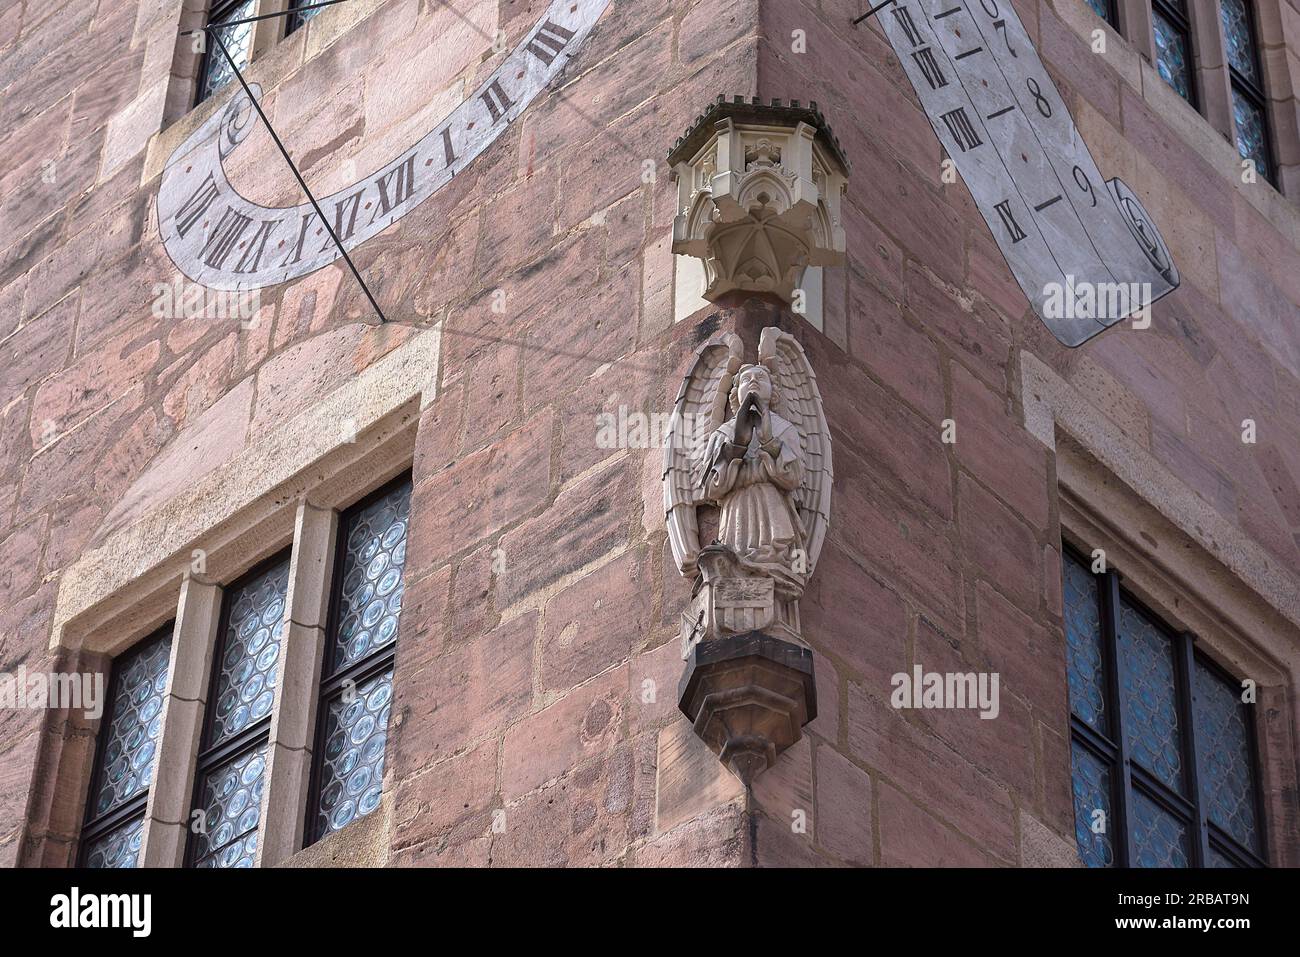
{"type": "Point", "coordinates": [750, 441]}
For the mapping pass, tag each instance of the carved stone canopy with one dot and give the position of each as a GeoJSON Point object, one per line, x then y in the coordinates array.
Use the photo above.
{"type": "Point", "coordinates": [759, 191]}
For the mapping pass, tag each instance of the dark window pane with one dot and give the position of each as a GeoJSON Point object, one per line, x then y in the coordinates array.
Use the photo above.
{"type": "Point", "coordinates": [1252, 142]}
{"type": "Point", "coordinates": [1159, 838]}
{"type": "Point", "coordinates": [1092, 795]}
{"type": "Point", "coordinates": [238, 40]}
{"type": "Point", "coordinates": [1147, 666]}
{"type": "Point", "coordinates": [231, 800]}
{"type": "Point", "coordinates": [119, 848]}
{"type": "Point", "coordinates": [1241, 46]}
{"type": "Point", "coordinates": [1223, 756]}
{"type": "Point", "coordinates": [250, 653]}
{"type": "Point", "coordinates": [370, 602]}
{"type": "Point", "coordinates": [132, 724]}
{"type": "Point", "coordinates": [1087, 676]}
{"type": "Point", "coordinates": [1171, 56]}
{"type": "Point", "coordinates": [352, 767]}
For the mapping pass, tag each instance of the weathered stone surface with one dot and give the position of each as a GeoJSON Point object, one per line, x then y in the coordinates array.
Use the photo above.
{"type": "Point", "coordinates": [536, 664]}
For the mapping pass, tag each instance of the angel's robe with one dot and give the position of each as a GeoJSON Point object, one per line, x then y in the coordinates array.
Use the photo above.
{"type": "Point", "coordinates": [759, 520]}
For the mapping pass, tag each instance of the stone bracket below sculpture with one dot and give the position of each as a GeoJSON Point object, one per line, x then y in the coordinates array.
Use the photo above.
{"type": "Point", "coordinates": [749, 697]}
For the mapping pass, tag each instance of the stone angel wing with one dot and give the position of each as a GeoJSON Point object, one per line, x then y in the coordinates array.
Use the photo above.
{"type": "Point", "coordinates": [801, 404]}
{"type": "Point", "coordinates": [700, 408]}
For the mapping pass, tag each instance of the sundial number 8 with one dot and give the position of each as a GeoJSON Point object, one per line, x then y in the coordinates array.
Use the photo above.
{"type": "Point", "coordinates": [1040, 100]}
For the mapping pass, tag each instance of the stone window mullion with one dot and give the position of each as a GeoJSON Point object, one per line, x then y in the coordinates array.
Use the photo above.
{"type": "Point", "coordinates": [167, 813]}
{"type": "Point", "coordinates": [293, 716]}
{"type": "Point", "coordinates": [1214, 85]}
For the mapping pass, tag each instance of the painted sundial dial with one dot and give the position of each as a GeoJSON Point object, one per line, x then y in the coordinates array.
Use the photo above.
{"type": "Point", "coordinates": [1083, 249]}
{"type": "Point", "coordinates": [222, 240]}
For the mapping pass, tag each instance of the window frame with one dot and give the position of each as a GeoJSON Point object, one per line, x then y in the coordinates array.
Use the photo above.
{"type": "Point", "coordinates": [330, 681]}
{"type": "Point", "coordinates": [1111, 747]}
{"type": "Point", "coordinates": [93, 828]}
{"type": "Point", "coordinates": [208, 756]}
{"type": "Point", "coordinates": [1253, 92]}
{"type": "Point", "coordinates": [1180, 20]}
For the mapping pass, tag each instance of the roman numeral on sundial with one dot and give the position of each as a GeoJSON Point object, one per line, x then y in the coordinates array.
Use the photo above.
{"type": "Point", "coordinates": [402, 180]}
{"type": "Point", "coordinates": [195, 206]}
{"type": "Point", "coordinates": [251, 260]}
{"type": "Point", "coordinates": [549, 41]}
{"type": "Point", "coordinates": [224, 236]}
{"type": "Point", "coordinates": [495, 99]}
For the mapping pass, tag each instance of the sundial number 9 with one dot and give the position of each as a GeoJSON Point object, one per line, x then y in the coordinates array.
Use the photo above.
{"type": "Point", "coordinates": [1040, 100]}
{"type": "Point", "coordinates": [1085, 184]}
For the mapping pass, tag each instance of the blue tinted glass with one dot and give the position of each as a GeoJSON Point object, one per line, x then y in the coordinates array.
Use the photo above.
{"type": "Point", "coordinates": [1086, 673]}
{"type": "Point", "coordinates": [1092, 808]}
{"type": "Point", "coordinates": [1147, 683]}
{"type": "Point", "coordinates": [1236, 32]}
{"type": "Point", "coordinates": [133, 722]}
{"type": "Point", "coordinates": [1223, 756]}
{"type": "Point", "coordinates": [1159, 839]}
{"type": "Point", "coordinates": [301, 15]}
{"type": "Point", "coordinates": [250, 653]}
{"type": "Point", "coordinates": [1251, 142]}
{"type": "Point", "coordinates": [1171, 56]}
{"type": "Point", "coordinates": [370, 597]}
{"type": "Point", "coordinates": [352, 770]}
{"type": "Point", "coordinates": [119, 848]}
{"type": "Point", "coordinates": [1101, 8]}
{"type": "Point", "coordinates": [231, 801]}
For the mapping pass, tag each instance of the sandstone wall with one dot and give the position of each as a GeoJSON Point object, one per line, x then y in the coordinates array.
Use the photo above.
{"type": "Point", "coordinates": [542, 601]}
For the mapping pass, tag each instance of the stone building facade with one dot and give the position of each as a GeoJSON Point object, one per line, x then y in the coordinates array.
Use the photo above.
{"type": "Point", "coordinates": [154, 455]}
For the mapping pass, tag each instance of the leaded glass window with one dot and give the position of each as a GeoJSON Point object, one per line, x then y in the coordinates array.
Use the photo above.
{"type": "Point", "coordinates": [1249, 104]}
{"type": "Point", "coordinates": [1105, 9]}
{"type": "Point", "coordinates": [1225, 760]}
{"type": "Point", "coordinates": [357, 676]}
{"type": "Point", "coordinates": [303, 10]}
{"type": "Point", "coordinates": [236, 35]}
{"type": "Point", "coordinates": [1173, 36]}
{"type": "Point", "coordinates": [1164, 767]}
{"type": "Point", "coordinates": [232, 760]}
{"type": "Point", "coordinates": [127, 747]}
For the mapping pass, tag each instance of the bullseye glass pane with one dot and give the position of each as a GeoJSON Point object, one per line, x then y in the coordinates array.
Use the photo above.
{"type": "Point", "coordinates": [352, 768]}
{"type": "Point", "coordinates": [1151, 715]}
{"type": "Point", "coordinates": [1092, 809]}
{"type": "Point", "coordinates": [1171, 56]}
{"type": "Point", "coordinates": [250, 653]}
{"type": "Point", "coordinates": [1086, 671]}
{"type": "Point", "coordinates": [370, 599]}
{"type": "Point", "coordinates": [1241, 45]}
{"type": "Point", "coordinates": [231, 801]}
{"type": "Point", "coordinates": [119, 848]}
{"type": "Point", "coordinates": [1251, 135]}
{"type": "Point", "coordinates": [1223, 756]}
{"type": "Point", "coordinates": [134, 718]}
{"type": "Point", "coordinates": [1159, 838]}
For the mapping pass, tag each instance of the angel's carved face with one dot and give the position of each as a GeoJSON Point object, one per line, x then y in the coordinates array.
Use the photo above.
{"type": "Point", "coordinates": [754, 379]}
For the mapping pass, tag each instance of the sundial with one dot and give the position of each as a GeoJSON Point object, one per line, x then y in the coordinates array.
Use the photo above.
{"type": "Point", "coordinates": [1082, 248]}
{"type": "Point", "coordinates": [222, 240]}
